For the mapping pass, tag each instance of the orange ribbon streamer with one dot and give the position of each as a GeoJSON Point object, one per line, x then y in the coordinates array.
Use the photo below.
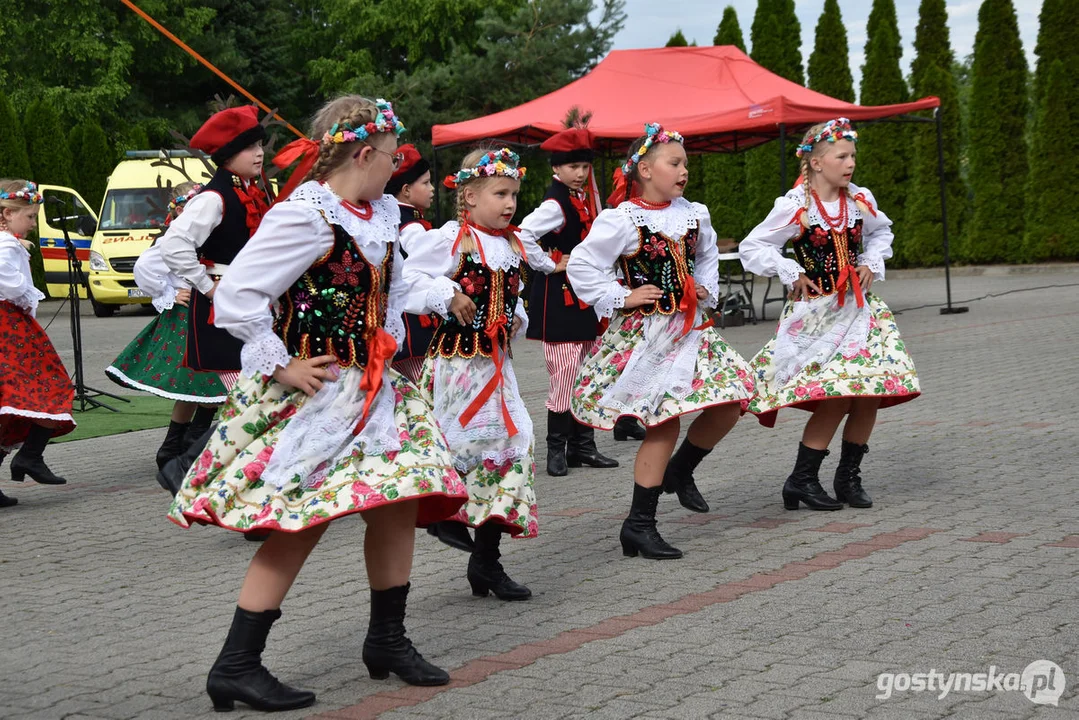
{"type": "Point", "coordinates": [860, 197]}
{"type": "Point", "coordinates": [304, 150]}
{"type": "Point", "coordinates": [688, 305]}
{"type": "Point", "coordinates": [495, 332]}
{"type": "Point", "coordinates": [849, 274]}
{"type": "Point", "coordinates": [381, 347]}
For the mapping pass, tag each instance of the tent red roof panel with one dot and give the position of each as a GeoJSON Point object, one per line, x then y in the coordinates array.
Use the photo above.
{"type": "Point", "coordinates": [715, 96]}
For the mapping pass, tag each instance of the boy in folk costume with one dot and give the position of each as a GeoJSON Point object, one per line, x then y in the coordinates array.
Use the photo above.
{"type": "Point", "coordinates": [411, 185]}
{"type": "Point", "coordinates": [566, 325]}
{"type": "Point", "coordinates": [215, 226]}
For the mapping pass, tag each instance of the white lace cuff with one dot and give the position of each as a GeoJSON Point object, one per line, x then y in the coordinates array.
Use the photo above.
{"type": "Point", "coordinates": [395, 325]}
{"type": "Point", "coordinates": [166, 300]}
{"type": "Point", "coordinates": [788, 271]}
{"type": "Point", "coordinates": [544, 264]}
{"type": "Point", "coordinates": [440, 295]}
{"type": "Point", "coordinates": [263, 355]}
{"type": "Point", "coordinates": [611, 301]}
{"type": "Point", "coordinates": [874, 263]}
{"type": "Point", "coordinates": [712, 300]}
{"type": "Point", "coordinates": [29, 300]}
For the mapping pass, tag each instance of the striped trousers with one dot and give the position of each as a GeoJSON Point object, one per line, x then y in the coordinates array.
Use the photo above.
{"type": "Point", "coordinates": [563, 361]}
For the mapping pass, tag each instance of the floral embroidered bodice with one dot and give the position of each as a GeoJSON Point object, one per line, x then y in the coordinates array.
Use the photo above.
{"type": "Point", "coordinates": [824, 252]}
{"type": "Point", "coordinates": [494, 291]}
{"type": "Point", "coordinates": [335, 306]}
{"type": "Point", "coordinates": [663, 262]}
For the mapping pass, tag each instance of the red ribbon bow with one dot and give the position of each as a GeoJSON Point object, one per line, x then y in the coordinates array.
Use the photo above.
{"type": "Point", "coordinates": [849, 274]}
{"type": "Point", "coordinates": [496, 332]}
{"type": "Point", "coordinates": [381, 347]}
{"type": "Point", "coordinates": [304, 150]}
{"type": "Point", "coordinates": [860, 197]}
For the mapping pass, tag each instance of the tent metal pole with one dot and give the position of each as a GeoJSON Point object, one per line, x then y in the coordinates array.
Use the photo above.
{"type": "Point", "coordinates": [782, 158]}
{"type": "Point", "coordinates": [435, 181]}
{"type": "Point", "coordinates": [950, 309]}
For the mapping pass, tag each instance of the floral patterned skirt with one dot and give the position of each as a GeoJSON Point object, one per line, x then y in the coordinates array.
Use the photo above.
{"type": "Point", "coordinates": [877, 366]}
{"type": "Point", "coordinates": [226, 486]}
{"type": "Point", "coordinates": [33, 381]}
{"type": "Point", "coordinates": [153, 363]}
{"type": "Point", "coordinates": [499, 470]}
{"type": "Point", "coordinates": [649, 368]}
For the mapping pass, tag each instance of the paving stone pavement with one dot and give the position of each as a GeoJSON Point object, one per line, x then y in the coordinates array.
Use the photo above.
{"type": "Point", "coordinates": [969, 559]}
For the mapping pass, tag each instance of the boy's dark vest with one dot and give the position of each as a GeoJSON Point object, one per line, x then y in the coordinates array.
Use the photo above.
{"type": "Point", "coordinates": [555, 313]}
{"type": "Point", "coordinates": [663, 262]}
{"type": "Point", "coordinates": [824, 253]}
{"type": "Point", "coordinates": [419, 329]}
{"type": "Point", "coordinates": [495, 295]}
{"type": "Point", "coordinates": [209, 347]}
{"type": "Point", "coordinates": [336, 305]}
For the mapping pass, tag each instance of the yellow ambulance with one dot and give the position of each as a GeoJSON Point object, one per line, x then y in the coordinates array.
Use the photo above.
{"type": "Point", "coordinates": [132, 215]}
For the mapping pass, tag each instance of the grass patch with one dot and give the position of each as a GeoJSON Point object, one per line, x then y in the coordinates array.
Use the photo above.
{"type": "Point", "coordinates": [143, 412]}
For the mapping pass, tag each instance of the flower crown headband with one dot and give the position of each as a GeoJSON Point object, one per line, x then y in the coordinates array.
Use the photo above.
{"type": "Point", "coordinates": [181, 199]}
{"type": "Point", "coordinates": [497, 163]}
{"type": "Point", "coordinates": [29, 193]}
{"type": "Point", "coordinates": [653, 134]}
{"type": "Point", "coordinates": [385, 121]}
{"type": "Point", "coordinates": [838, 129]}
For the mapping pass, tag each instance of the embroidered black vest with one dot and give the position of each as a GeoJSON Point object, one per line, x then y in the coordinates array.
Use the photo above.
{"type": "Point", "coordinates": [335, 304]}
{"type": "Point", "coordinates": [419, 329]}
{"type": "Point", "coordinates": [662, 262]}
{"type": "Point", "coordinates": [554, 314]}
{"type": "Point", "coordinates": [824, 252]}
{"type": "Point", "coordinates": [495, 294]}
{"type": "Point", "coordinates": [229, 237]}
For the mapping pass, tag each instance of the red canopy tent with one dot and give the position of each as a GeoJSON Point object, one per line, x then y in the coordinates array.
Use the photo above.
{"type": "Point", "coordinates": [716, 96]}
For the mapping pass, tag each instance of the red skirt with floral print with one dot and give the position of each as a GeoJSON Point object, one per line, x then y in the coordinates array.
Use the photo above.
{"type": "Point", "coordinates": [33, 382]}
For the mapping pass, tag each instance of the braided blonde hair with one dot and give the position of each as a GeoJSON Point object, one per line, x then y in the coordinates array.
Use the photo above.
{"type": "Point", "coordinates": [818, 149]}
{"type": "Point", "coordinates": [11, 186]}
{"type": "Point", "coordinates": [468, 242]}
{"type": "Point", "coordinates": [356, 110]}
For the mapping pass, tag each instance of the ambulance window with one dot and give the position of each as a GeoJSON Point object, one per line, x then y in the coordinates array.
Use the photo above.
{"type": "Point", "coordinates": [137, 209]}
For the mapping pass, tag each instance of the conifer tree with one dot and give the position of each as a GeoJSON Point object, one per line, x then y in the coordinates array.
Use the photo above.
{"type": "Point", "coordinates": [776, 45]}
{"type": "Point", "coordinates": [729, 31]}
{"type": "Point", "coordinates": [921, 243]}
{"type": "Point", "coordinates": [883, 149]}
{"type": "Point", "coordinates": [46, 144]}
{"type": "Point", "coordinates": [1052, 209]}
{"type": "Point", "coordinates": [829, 64]}
{"type": "Point", "coordinates": [677, 39]}
{"type": "Point", "coordinates": [998, 150]}
{"type": "Point", "coordinates": [93, 161]}
{"type": "Point", "coordinates": [14, 163]}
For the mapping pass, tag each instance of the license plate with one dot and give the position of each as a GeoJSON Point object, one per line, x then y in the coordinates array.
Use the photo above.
{"type": "Point", "coordinates": [137, 293]}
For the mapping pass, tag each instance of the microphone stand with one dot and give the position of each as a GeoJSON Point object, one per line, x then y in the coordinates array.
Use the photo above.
{"type": "Point", "coordinates": [84, 394]}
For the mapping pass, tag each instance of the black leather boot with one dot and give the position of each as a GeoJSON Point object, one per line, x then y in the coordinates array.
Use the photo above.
{"type": "Point", "coordinates": [6, 500]}
{"type": "Point", "coordinates": [238, 673]}
{"type": "Point", "coordinates": [559, 428]}
{"type": "Point", "coordinates": [200, 423]}
{"type": "Point", "coordinates": [387, 649]}
{"type": "Point", "coordinates": [171, 477]}
{"type": "Point", "coordinates": [678, 477]}
{"type": "Point", "coordinates": [639, 532]}
{"type": "Point", "coordinates": [453, 533]}
{"type": "Point", "coordinates": [848, 476]}
{"type": "Point", "coordinates": [173, 444]}
{"type": "Point", "coordinates": [628, 428]}
{"type": "Point", "coordinates": [485, 572]}
{"type": "Point", "coordinates": [29, 460]}
{"type": "Point", "coordinates": [582, 448]}
{"type": "Point", "coordinates": [804, 483]}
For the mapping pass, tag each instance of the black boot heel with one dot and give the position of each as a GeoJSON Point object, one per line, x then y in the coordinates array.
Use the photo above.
{"type": "Point", "coordinates": [804, 486]}
{"type": "Point", "coordinates": [485, 572]}
{"type": "Point", "coordinates": [223, 704]}
{"type": "Point", "coordinates": [790, 502]}
{"type": "Point", "coordinates": [479, 588]}
{"type": "Point", "coordinates": [377, 673]}
{"type": "Point", "coordinates": [639, 533]}
{"type": "Point", "coordinates": [629, 549]}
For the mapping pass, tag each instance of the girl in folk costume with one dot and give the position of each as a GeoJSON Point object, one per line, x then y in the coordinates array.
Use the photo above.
{"type": "Point", "coordinates": [411, 185]}
{"type": "Point", "coordinates": [469, 272]}
{"type": "Point", "coordinates": [319, 426]}
{"type": "Point", "coordinates": [565, 324]}
{"type": "Point", "coordinates": [837, 351]}
{"type": "Point", "coordinates": [199, 245]}
{"type": "Point", "coordinates": [658, 359]}
{"type": "Point", "coordinates": [152, 361]}
{"type": "Point", "coordinates": [35, 391]}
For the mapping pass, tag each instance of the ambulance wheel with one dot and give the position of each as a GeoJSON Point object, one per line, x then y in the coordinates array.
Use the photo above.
{"type": "Point", "coordinates": [101, 310]}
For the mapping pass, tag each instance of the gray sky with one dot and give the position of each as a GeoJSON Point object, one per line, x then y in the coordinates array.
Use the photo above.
{"type": "Point", "coordinates": [650, 24]}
